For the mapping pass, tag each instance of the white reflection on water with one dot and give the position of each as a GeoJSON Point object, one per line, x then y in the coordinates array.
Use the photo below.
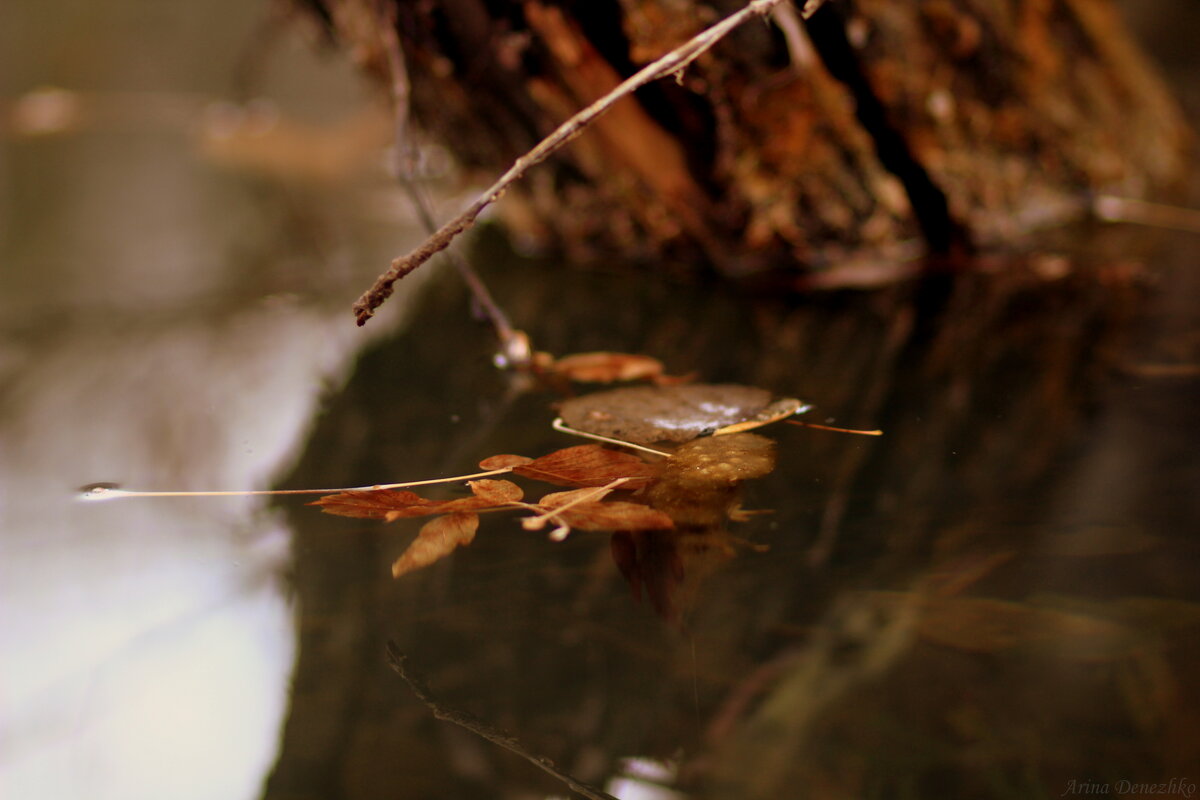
{"type": "Point", "coordinates": [147, 644]}
{"type": "Point", "coordinates": [164, 324]}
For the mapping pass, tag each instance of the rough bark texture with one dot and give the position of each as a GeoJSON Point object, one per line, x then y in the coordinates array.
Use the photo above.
{"type": "Point", "coordinates": [870, 127]}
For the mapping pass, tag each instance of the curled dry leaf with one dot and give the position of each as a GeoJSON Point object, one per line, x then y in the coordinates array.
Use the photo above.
{"type": "Point", "coordinates": [438, 538]}
{"type": "Point", "coordinates": [503, 462]}
{"type": "Point", "coordinates": [588, 465]}
{"type": "Point", "coordinates": [604, 367]}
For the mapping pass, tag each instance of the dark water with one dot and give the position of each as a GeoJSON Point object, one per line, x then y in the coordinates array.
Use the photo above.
{"type": "Point", "coordinates": [996, 598]}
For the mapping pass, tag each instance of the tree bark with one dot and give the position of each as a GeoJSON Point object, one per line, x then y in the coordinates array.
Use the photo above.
{"type": "Point", "coordinates": [866, 130]}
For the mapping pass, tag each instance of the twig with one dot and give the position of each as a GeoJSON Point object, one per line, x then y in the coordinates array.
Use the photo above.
{"type": "Point", "coordinates": [800, 48]}
{"type": "Point", "coordinates": [562, 427]}
{"type": "Point", "coordinates": [397, 659]}
{"type": "Point", "coordinates": [672, 63]}
{"type": "Point", "coordinates": [515, 350]}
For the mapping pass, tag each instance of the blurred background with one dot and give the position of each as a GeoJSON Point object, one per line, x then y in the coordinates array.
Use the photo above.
{"type": "Point", "coordinates": [997, 599]}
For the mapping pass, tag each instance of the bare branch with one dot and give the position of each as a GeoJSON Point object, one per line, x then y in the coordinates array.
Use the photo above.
{"type": "Point", "coordinates": [670, 64]}
{"type": "Point", "coordinates": [514, 345]}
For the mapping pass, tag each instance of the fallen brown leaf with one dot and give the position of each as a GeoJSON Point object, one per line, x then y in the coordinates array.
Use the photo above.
{"type": "Point", "coordinates": [503, 461]}
{"type": "Point", "coordinates": [390, 504]}
{"type": "Point", "coordinates": [438, 538]}
{"type": "Point", "coordinates": [588, 465]}
{"type": "Point", "coordinates": [604, 367]}
{"type": "Point", "coordinates": [369, 504]}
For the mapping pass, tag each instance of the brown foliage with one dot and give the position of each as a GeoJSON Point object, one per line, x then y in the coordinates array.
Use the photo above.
{"type": "Point", "coordinates": [438, 538]}
{"type": "Point", "coordinates": [605, 367]}
{"type": "Point", "coordinates": [588, 465]}
{"type": "Point", "coordinates": [704, 472]}
{"type": "Point", "coordinates": [391, 504]}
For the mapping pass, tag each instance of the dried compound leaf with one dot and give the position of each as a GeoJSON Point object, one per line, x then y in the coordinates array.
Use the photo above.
{"type": "Point", "coordinates": [496, 492]}
{"type": "Point", "coordinates": [503, 461]}
{"type": "Point", "coordinates": [372, 504]}
{"type": "Point", "coordinates": [438, 538]}
{"type": "Point", "coordinates": [588, 465]}
{"type": "Point", "coordinates": [391, 504]}
{"type": "Point", "coordinates": [444, 507]}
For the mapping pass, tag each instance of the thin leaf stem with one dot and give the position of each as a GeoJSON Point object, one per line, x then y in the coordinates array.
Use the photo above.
{"type": "Point", "coordinates": [514, 345]}
{"type": "Point", "coordinates": [561, 426]}
{"type": "Point", "coordinates": [875, 432]}
{"type": "Point", "coordinates": [108, 491]}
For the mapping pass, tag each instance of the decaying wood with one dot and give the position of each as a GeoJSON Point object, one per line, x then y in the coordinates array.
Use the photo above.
{"type": "Point", "coordinates": [656, 160]}
{"type": "Point", "coordinates": [793, 146]}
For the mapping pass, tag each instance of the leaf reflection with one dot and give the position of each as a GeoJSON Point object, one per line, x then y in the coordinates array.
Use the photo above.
{"type": "Point", "coordinates": [699, 487]}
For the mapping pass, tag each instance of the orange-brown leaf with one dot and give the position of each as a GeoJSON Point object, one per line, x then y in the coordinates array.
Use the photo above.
{"type": "Point", "coordinates": [606, 367]}
{"type": "Point", "coordinates": [391, 505]}
{"type": "Point", "coordinates": [502, 461]}
{"type": "Point", "coordinates": [588, 465]}
{"type": "Point", "coordinates": [618, 515]}
{"type": "Point", "coordinates": [438, 538]}
{"type": "Point", "coordinates": [496, 492]}
{"type": "Point", "coordinates": [371, 504]}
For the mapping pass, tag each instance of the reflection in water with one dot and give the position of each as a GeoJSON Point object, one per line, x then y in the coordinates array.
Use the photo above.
{"type": "Point", "coordinates": [967, 631]}
{"type": "Point", "coordinates": [166, 325]}
{"type": "Point", "coordinates": [700, 488]}
{"type": "Point", "coordinates": [147, 643]}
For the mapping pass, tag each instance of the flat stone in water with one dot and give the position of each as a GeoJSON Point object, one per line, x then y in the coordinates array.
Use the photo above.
{"type": "Point", "coordinates": [647, 414]}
